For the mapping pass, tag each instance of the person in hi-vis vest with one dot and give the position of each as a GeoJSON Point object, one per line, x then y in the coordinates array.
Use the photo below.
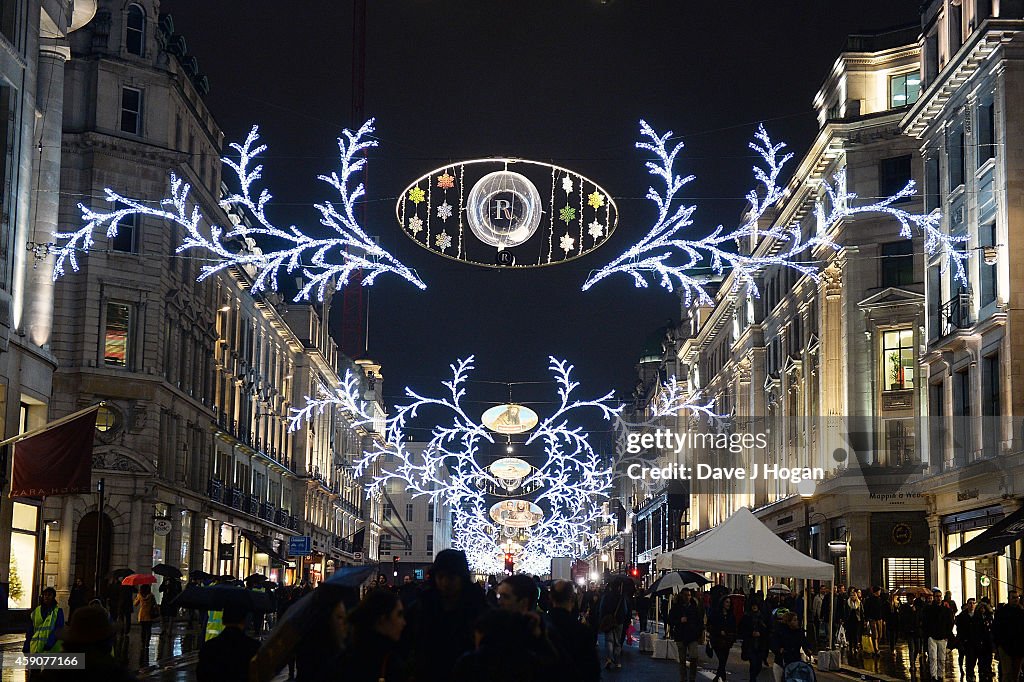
{"type": "Point", "coordinates": [47, 619]}
{"type": "Point", "coordinates": [214, 624]}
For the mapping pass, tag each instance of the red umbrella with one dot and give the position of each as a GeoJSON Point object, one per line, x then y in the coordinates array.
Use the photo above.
{"type": "Point", "coordinates": [137, 579]}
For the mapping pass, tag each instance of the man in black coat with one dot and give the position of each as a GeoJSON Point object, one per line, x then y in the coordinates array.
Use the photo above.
{"type": "Point", "coordinates": [686, 624]}
{"type": "Point", "coordinates": [1008, 635]}
{"type": "Point", "coordinates": [573, 640]}
{"type": "Point", "coordinates": [225, 658]}
{"type": "Point", "coordinates": [938, 627]}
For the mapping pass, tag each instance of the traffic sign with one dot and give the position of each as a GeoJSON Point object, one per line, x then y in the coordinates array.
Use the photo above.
{"type": "Point", "coordinates": [300, 545]}
{"type": "Point", "coordinates": [358, 556]}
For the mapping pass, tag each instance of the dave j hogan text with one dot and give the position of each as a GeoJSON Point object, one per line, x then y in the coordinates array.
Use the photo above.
{"type": "Point", "coordinates": [707, 472]}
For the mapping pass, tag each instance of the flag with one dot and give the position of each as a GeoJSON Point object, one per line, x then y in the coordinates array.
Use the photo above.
{"type": "Point", "coordinates": [57, 461]}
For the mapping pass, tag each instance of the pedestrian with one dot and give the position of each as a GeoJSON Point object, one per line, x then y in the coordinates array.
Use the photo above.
{"type": "Point", "coordinates": [170, 588]}
{"type": "Point", "coordinates": [78, 597]}
{"type": "Point", "coordinates": [577, 655]}
{"type": "Point", "coordinates": [501, 653]}
{"type": "Point", "coordinates": [321, 650]}
{"type": "Point", "coordinates": [611, 615]}
{"type": "Point", "coordinates": [947, 598]}
{"type": "Point", "coordinates": [643, 609]}
{"type": "Point", "coordinates": [789, 641]}
{"type": "Point", "coordinates": [873, 604]}
{"type": "Point", "coordinates": [225, 658]}
{"type": "Point", "coordinates": [891, 613]}
{"type": "Point", "coordinates": [981, 639]}
{"type": "Point", "coordinates": [686, 624]}
{"type": "Point", "coordinates": [376, 626]}
{"type": "Point", "coordinates": [90, 634]}
{"type": "Point", "coordinates": [1008, 635]}
{"type": "Point", "coordinates": [964, 622]}
{"type": "Point", "coordinates": [756, 634]}
{"type": "Point", "coordinates": [854, 622]}
{"type": "Point", "coordinates": [146, 603]}
{"type": "Point", "coordinates": [45, 622]}
{"type": "Point", "coordinates": [938, 622]}
{"type": "Point", "coordinates": [909, 628]}
{"type": "Point", "coordinates": [409, 591]}
{"type": "Point", "coordinates": [722, 629]}
{"type": "Point", "coordinates": [818, 608]}
{"type": "Point", "coordinates": [440, 625]}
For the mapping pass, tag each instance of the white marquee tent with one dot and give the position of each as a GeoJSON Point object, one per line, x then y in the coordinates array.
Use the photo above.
{"type": "Point", "coordinates": [745, 546]}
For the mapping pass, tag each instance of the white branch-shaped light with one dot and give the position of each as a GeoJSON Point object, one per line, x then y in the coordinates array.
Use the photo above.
{"type": "Point", "coordinates": [322, 261]}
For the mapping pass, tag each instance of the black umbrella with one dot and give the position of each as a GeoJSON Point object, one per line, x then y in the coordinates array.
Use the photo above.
{"type": "Point", "coordinates": [121, 573]}
{"type": "Point", "coordinates": [216, 597]}
{"type": "Point", "coordinates": [256, 578]}
{"type": "Point", "coordinates": [351, 576]}
{"type": "Point", "coordinates": [198, 575]}
{"type": "Point", "coordinates": [166, 571]}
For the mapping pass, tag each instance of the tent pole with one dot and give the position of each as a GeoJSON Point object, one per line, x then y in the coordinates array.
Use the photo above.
{"type": "Point", "coordinates": [831, 611]}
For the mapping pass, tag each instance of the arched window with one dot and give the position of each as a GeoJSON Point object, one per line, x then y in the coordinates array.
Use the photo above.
{"type": "Point", "coordinates": [135, 30]}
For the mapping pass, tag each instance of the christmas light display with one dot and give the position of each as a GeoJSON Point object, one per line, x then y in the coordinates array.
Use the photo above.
{"type": "Point", "coordinates": [570, 483]}
{"type": "Point", "coordinates": [323, 261]}
{"type": "Point", "coordinates": [675, 260]}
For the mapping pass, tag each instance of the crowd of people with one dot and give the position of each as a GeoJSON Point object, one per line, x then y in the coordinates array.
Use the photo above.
{"type": "Point", "coordinates": [520, 628]}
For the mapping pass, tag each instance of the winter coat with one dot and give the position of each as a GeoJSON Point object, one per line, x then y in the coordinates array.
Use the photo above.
{"type": "Point", "coordinates": [691, 630]}
{"type": "Point", "coordinates": [147, 607]}
{"type": "Point", "coordinates": [722, 628]}
{"type": "Point", "coordinates": [938, 621]}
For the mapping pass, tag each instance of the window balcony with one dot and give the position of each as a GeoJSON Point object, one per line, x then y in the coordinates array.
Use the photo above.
{"type": "Point", "coordinates": [955, 314]}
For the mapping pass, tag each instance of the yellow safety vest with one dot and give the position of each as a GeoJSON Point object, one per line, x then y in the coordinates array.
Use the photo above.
{"type": "Point", "coordinates": [41, 630]}
{"type": "Point", "coordinates": [214, 624]}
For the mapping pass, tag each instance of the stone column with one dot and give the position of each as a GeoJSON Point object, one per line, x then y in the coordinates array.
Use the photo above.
{"type": "Point", "coordinates": [39, 285]}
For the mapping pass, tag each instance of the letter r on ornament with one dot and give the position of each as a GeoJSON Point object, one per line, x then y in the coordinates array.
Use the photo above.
{"type": "Point", "coordinates": [500, 206]}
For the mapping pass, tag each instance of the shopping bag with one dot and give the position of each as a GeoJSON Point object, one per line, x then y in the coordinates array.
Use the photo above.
{"type": "Point", "coordinates": [867, 645]}
{"type": "Point", "coordinates": [828, 660]}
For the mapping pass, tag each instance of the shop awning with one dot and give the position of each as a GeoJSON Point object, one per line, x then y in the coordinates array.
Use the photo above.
{"type": "Point", "coordinates": [265, 546]}
{"type": "Point", "coordinates": [994, 540]}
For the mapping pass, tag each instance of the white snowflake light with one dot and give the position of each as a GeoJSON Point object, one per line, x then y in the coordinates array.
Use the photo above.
{"type": "Point", "coordinates": [444, 211]}
{"type": "Point", "coordinates": [596, 230]}
{"type": "Point", "coordinates": [566, 243]}
{"type": "Point", "coordinates": [674, 259]}
{"type": "Point", "coordinates": [443, 241]}
{"type": "Point", "coordinates": [415, 224]}
{"type": "Point", "coordinates": [323, 261]}
{"type": "Point", "coordinates": [567, 185]}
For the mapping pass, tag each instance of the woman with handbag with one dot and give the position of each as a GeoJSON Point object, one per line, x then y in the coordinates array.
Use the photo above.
{"type": "Point", "coordinates": [755, 632]}
{"type": "Point", "coordinates": [854, 621]}
{"type": "Point", "coordinates": [722, 626]}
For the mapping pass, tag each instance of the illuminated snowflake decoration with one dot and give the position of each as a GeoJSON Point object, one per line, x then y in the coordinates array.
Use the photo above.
{"type": "Point", "coordinates": [415, 224]}
{"type": "Point", "coordinates": [674, 259]}
{"type": "Point", "coordinates": [444, 211]}
{"type": "Point", "coordinates": [323, 261]}
{"type": "Point", "coordinates": [595, 200]}
{"type": "Point", "coordinates": [567, 214]}
{"type": "Point", "coordinates": [566, 243]}
{"type": "Point", "coordinates": [443, 241]}
{"type": "Point", "coordinates": [445, 181]}
{"type": "Point", "coordinates": [596, 230]}
{"type": "Point", "coordinates": [417, 195]}
{"type": "Point", "coordinates": [569, 485]}
{"type": "Point", "coordinates": [567, 184]}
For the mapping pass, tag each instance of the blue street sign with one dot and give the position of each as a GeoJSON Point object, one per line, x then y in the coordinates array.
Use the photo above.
{"type": "Point", "coordinates": [300, 545]}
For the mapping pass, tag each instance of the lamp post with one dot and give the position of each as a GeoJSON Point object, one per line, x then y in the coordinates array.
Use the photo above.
{"type": "Point", "coordinates": [806, 494]}
{"type": "Point", "coordinates": [838, 546]}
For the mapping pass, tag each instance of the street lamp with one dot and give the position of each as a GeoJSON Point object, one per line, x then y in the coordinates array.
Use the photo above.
{"type": "Point", "coordinates": [837, 546]}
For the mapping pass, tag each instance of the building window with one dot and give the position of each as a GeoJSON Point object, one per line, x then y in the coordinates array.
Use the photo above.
{"type": "Point", "coordinates": [385, 542]}
{"type": "Point", "coordinates": [904, 90]}
{"type": "Point", "coordinates": [932, 188]}
{"type": "Point", "coordinates": [430, 512]}
{"type": "Point", "coordinates": [898, 263]}
{"type": "Point", "coordinates": [989, 280]}
{"type": "Point", "coordinates": [21, 587]}
{"type": "Point", "coordinates": [430, 544]}
{"type": "Point", "coordinates": [135, 30]}
{"type": "Point", "coordinates": [893, 175]}
{"type": "Point", "coordinates": [904, 572]}
{"type": "Point", "coordinates": [897, 359]}
{"type": "Point", "coordinates": [955, 153]}
{"type": "Point", "coordinates": [387, 512]}
{"type": "Point", "coordinates": [117, 335]}
{"type": "Point", "coordinates": [127, 234]}
{"type": "Point", "coordinates": [131, 111]}
{"type": "Point", "coordinates": [937, 423]}
{"type": "Point", "coordinates": [408, 512]}
{"type": "Point", "coordinates": [899, 442]}
{"type": "Point", "coordinates": [961, 415]}
{"type": "Point", "coordinates": [986, 132]}
{"type": "Point", "coordinates": [106, 419]}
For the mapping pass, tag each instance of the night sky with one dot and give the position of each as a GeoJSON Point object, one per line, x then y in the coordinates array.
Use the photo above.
{"type": "Point", "coordinates": [563, 81]}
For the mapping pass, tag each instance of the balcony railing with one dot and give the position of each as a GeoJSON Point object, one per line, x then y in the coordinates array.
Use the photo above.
{"type": "Point", "coordinates": [955, 313]}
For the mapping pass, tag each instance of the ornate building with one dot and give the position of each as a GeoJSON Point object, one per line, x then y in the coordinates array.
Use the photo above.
{"type": "Point", "coordinates": [33, 52]}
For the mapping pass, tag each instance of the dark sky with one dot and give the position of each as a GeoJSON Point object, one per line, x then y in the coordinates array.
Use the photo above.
{"type": "Point", "coordinates": [563, 81]}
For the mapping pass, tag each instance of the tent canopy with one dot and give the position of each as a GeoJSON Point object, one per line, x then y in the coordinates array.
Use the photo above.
{"type": "Point", "coordinates": [743, 545]}
{"type": "Point", "coordinates": [994, 540]}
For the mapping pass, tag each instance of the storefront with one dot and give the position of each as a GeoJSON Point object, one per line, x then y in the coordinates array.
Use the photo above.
{"type": "Point", "coordinates": [22, 585]}
{"type": "Point", "coordinates": [975, 577]}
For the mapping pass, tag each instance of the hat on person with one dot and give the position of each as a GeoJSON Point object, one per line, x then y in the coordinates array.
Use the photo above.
{"type": "Point", "coordinates": [936, 590]}
{"type": "Point", "coordinates": [452, 562]}
{"type": "Point", "coordinates": [88, 625]}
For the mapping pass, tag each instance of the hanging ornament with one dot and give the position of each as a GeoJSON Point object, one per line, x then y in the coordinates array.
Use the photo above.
{"type": "Point", "coordinates": [444, 211]}
{"type": "Point", "coordinates": [416, 195]}
{"type": "Point", "coordinates": [595, 200]}
{"type": "Point", "coordinates": [566, 242]}
{"type": "Point", "coordinates": [567, 184]}
{"type": "Point", "coordinates": [415, 224]}
{"type": "Point", "coordinates": [567, 214]}
{"type": "Point", "coordinates": [443, 241]}
{"type": "Point", "coordinates": [445, 181]}
{"type": "Point", "coordinates": [596, 230]}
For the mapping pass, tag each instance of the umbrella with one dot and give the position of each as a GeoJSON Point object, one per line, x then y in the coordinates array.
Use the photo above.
{"type": "Point", "coordinates": [216, 597]}
{"type": "Point", "coordinates": [351, 576]}
{"type": "Point", "coordinates": [780, 588]}
{"type": "Point", "coordinates": [137, 579]}
{"type": "Point", "coordinates": [256, 578]}
{"type": "Point", "coordinates": [912, 591]}
{"type": "Point", "coordinates": [674, 581]}
{"type": "Point", "coordinates": [198, 575]}
{"type": "Point", "coordinates": [121, 573]}
{"type": "Point", "coordinates": [167, 571]}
